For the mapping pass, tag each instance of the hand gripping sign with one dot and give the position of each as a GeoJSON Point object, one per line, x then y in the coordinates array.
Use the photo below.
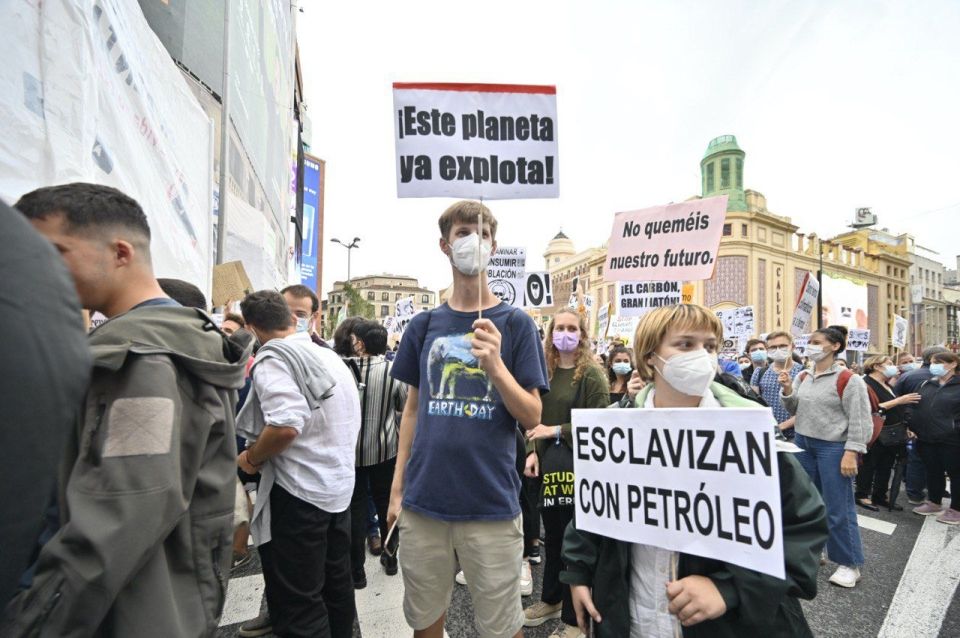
{"type": "Point", "coordinates": [477, 141]}
{"type": "Point", "coordinates": [701, 481]}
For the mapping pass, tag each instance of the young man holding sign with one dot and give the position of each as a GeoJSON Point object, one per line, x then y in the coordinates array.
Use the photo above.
{"type": "Point", "coordinates": [471, 380]}
{"type": "Point", "coordinates": [635, 589]}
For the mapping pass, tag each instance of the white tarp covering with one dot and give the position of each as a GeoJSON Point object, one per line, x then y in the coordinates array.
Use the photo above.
{"type": "Point", "coordinates": [90, 94]}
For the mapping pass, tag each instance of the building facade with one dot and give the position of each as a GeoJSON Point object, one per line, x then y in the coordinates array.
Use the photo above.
{"type": "Point", "coordinates": [382, 292]}
{"type": "Point", "coordinates": [929, 326]}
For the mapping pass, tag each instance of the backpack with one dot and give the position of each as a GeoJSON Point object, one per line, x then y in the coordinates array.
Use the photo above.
{"type": "Point", "coordinates": [843, 378]}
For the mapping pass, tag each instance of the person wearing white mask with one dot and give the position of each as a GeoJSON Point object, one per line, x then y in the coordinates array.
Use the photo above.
{"type": "Point", "coordinates": [873, 480]}
{"type": "Point", "coordinates": [632, 590]}
{"type": "Point", "coordinates": [455, 493]}
{"type": "Point", "coordinates": [833, 426]}
{"type": "Point", "coordinates": [779, 349]}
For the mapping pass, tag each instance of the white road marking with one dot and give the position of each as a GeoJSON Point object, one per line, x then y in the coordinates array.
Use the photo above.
{"type": "Point", "coordinates": [927, 585]}
{"type": "Point", "coordinates": [243, 599]}
{"type": "Point", "coordinates": [380, 604]}
{"type": "Point", "coordinates": [876, 524]}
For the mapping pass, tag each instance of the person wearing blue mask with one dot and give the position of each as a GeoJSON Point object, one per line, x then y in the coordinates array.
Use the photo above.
{"type": "Point", "coordinates": [873, 480]}
{"type": "Point", "coordinates": [619, 371]}
{"type": "Point", "coordinates": [756, 353]}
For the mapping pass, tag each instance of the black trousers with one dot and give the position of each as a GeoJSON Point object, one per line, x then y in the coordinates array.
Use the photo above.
{"type": "Point", "coordinates": [306, 569]}
{"type": "Point", "coordinates": [380, 477]}
{"type": "Point", "coordinates": [555, 521]}
{"type": "Point", "coordinates": [873, 479]}
{"type": "Point", "coordinates": [940, 458]}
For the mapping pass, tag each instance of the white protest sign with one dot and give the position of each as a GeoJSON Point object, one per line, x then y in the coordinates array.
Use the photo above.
{"type": "Point", "coordinates": [916, 294]}
{"type": "Point", "coordinates": [405, 308]}
{"type": "Point", "coordinates": [806, 302]}
{"type": "Point", "coordinates": [603, 321]}
{"type": "Point", "coordinates": [389, 323]}
{"type": "Point", "coordinates": [800, 344]}
{"type": "Point", "coordinates": [676, 241]}
{"type": "Point", "coordinates": [506, 274]}
{"type": "Point", "coordinates": [588, 304]}
{"type": "Point", "coordinates": [538, 291]}
{"type": "Point", "coordinates": [737, 322]}
{"type": "Point", "coordinates": [490, 141]}
{"type": "Point", "coordinates": [573, 303]}
{"type": "Point", "coordinates": [858, 340]}
{"type": "Point", "coordinates": [899, 339]}
{"type": "Point", "coordinates": [623, 328]}
{"type": "Point", "coordinates": [97, 319]}
{"type": "Point", "coordinates": [701, 481]}
{"type": "Point", "coordinates": [729, 349]}
{"type": "Point", "coordinates": [637, 298]}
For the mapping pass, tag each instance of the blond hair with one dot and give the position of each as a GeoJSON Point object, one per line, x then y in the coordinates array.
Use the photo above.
{"type": "Point", "coordinates": [874, 362]}
{"type": "Point", "coordinates": [655, 324]}
{"type": "Point", "coordinates": [778, 334]}
{"type": "Point", "coordinates": [584, 358]}
{"type": "Point", "coordinates": [465, 212]}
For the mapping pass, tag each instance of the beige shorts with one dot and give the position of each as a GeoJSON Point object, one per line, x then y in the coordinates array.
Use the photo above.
{"type": "Point", "coordinates": [490, 554]}
{"type": "Point", "coordinates": [241, 513]}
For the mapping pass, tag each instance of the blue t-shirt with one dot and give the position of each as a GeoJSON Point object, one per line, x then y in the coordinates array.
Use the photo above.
{"type": "Point", "coordinates": [463, 463]}
{"type": "Point", "coordinates": [766, 379]}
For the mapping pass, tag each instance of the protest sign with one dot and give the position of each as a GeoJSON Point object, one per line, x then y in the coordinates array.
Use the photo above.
{"type": "Point", "coordinates": [603, 321]}
{"type": "Point", "coordinates": [637, 298]}
{"type": "Point", "coordinates": [217, 318]}
{"type": "Point", "coordinates": [388, 324]}
{"type": "Point", "coordinates": [622, 328]}
{"type": "Point", "coordinates": [697, 481]}
{"type": "Point", "coordinates": [677, 241]}
{"type": "Point", "coordinates": [729, 349]}
{"type": "Point", "coordinates": [506, 274]}
{"type": "Point", "coordinates": [899, 338]}
{"type": "Point", "coordinates": [97, 319]}
{"type": "Point", "coordinates": [587, 306]}
{"type": "Point", "coordinates": [858, 340]}
{"type": "Point", "coordinates": [737, 322]}
{"type": "Point", "coordinates": [489, 141]}
{"type": "Point", "coordinates": [687, 293]}
{"type": "Point", "coordinates": [573, 303]}
{"type": "Point", "coordinates": [800, 344]}
{"type": "Point", "coordinates": [806, 302]}
{"type": "Point", "coordinates": [538, 292]}
{"type": "Point", "coordinates": [230, 283]}
{"type": "Point", "coordinates": [405, 308]}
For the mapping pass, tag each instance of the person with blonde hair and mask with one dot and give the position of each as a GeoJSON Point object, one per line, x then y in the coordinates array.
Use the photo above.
{"type": "Point", "coordinates": [630, 589]}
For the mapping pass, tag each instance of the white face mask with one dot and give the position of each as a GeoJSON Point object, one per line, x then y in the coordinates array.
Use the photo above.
{"type": "Point", "coordinates": [690, 373]}
{"type": "Point", "coordinates": [303, 324]}
{"type": "Point", "coordinates": [816, 353]}
{"type": "Point", "coordinates": [470, 255]}
{"type": "Point", "coordinates": [779, 354]}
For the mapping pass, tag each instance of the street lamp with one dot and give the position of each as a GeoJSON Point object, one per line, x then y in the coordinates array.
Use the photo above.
{"type": "Point", "coordinates": [353, 244]}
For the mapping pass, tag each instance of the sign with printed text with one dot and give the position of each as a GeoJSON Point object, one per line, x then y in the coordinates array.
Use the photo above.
{"type": "Point", "coordinates": [538, 291]}
{"type": "Point", "coordinates": [405, 308]}
{"type": "Point", "coordinates": [506, 274]}
{"type": "Point", "coordinates": [900, 326]}
{"type": "Point", "coordinates": [687, 293]}
{"type": "Point", "coordinates": [800, 344]}
{"type": "Point", "coordinates": [623, 328]}
{"type": "Point", "coordinates": [676, 241]}
{"type": "Point", "coordinates": [588, 304]}
{"type": "Point", "coordinates": [603, 321]}
{"type": "Point", "coordinates": [806, 302]}
{"type": "Point", "coordinates": [729, 349]}
{"type": "Point", "coordinates": [701, 481]}
{"type": "Point", "coordinates": [737, 322]}
{"type": "Point", "coordinates": [858, 340]}
{"type": "Point", "coordinates": [637, 298]}
{"type": "Point", "coordinates": [490, 141]}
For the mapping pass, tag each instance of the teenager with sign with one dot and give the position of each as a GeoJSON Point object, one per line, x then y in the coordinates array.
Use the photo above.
{"type": "Point", "coordinates": [833, 426]}
{"type": "Point", "coordinates": [633, 590]}
{"type": "Point", "coordinates": [576, 381]}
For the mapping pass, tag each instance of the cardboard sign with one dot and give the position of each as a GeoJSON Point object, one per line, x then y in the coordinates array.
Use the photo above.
{"type": "Point", "coordinates": [506, 274]}
{"type": "Point", "coordinates": [858, 340]}
{"type": "Point", "coordinates": [490, 141]}
{"type": "Point", "coordinates": [230, 283]}
{"type": "Point", "coordinates": [701, 481]}
{"type": "Point", "coordinates": [899, 338]}
{"type": "Point", "coordinates": [687, 293]}
{"type": "Point", "coordinates": [666, 243]}
{"type": "Point", "coordinates": [538, 291]}
{"type": "Point", "coordinates": [737, 322]}
{"type": "Point", "coordinates": [637, 298]}
{"type": "Point", "coordinates": [806, 302]}
{"type": "Point", "coordinates": [623, 328]}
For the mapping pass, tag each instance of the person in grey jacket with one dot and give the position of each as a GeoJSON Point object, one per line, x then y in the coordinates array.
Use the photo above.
{"type": "Point", "coordinates": [147, 479]}
{"type": "Point", "coordinates": [833, 426]}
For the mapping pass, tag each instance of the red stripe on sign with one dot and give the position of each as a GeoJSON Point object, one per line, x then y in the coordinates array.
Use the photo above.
{"type": "Point", "coordinates": [478, 88]}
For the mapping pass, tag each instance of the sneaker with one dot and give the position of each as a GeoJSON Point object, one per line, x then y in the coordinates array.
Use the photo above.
{"type": "Point", "coordinates": [927, 509]}
{"type": "Point", "coordinates": [539, 613]}
{"type": "Point", "coordinates": [566, 631]}
{"type": "Point", "coordinates": [916, 500]}
{"type": "Point", "coordinates": [950, 516]}
{"type": "Point", "coordinates": [259, 626]}
{"type": "Point", "coordinates": [461, 579]}
{"type": "Point", "coordinates": [240, 561]}
{"type": "Point", "coordinates": [359, 578]}
{"type": "Point", "coordinates": [390, 564]}
{"type": "Point", "coordinates": [373, 542]}
{"type": "Point", "coordinates": [823, 557]}
{"type": "Point", "coordinates": [534, 556]}
{"type": "Point", "coordinates": [845, 576]}
{"type": "Point", "coordinates": [526, 580]}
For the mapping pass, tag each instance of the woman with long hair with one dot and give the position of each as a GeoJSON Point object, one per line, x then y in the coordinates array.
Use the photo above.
{"type": "Point", "coordinates": [619, 371]}
{"type": "Point", "coordinates": [833, 426]}
{"type": "Point", "coordinates": [576, 381]}
{"type": "Point", "coordinates": [633, 590]}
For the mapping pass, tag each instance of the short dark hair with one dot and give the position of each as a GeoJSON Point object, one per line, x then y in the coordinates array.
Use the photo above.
{"type": "Point", "coordinates": [753, 342]}
{"type": "Point", "coordinates": [235, 318]}
{"type": "Point", "coordinates": [342, 344]}
{"type": "Point", "coordinates": [267, 310]}
{"type": "Point", "coordinates": [929, 352]}
{"type": "Point", "coordinates": [300, 292]}
{"type": "Point", "coordinates": [466, 212]}
{"type": "Point", "coordinates": [86, 207]}
{"type": "Point", "coordinates": [184, 293]}
{"type": "Point", "coordinates": [373, 335]}
{"type": "Point", "coordinates": [835, 335]}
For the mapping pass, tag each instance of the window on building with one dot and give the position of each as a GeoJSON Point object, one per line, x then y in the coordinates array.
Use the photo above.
{"type": "Point", "coordinates": [384, 311]}
{"type": "Point", "coordinates": [371, 295]}
{"type": "Point", "coordinates": [710, 182]}
{"type": "Point", "coordinates": [739, 173]}
{"type": "Point", "coordinates": [599, 271]}
{"type": "Point", "coordinates": [744, 232]}
{"type": "Point", "coordinates": [727, 230]}
{"type": "Point", "coordinates": [397, 296]}
{"type": "Point", "coordinates": [725, 173]}
{"type": "Point", "coordinates": [385, 296]}
{"type": "Point", "coordinates": [425, 299]}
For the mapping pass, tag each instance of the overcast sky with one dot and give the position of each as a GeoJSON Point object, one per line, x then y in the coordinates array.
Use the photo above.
{"type": "Point", "coordinates": [837, 104]}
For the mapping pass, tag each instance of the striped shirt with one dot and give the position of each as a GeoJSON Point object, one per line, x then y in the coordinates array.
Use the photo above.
{"type": "Point", "coordinates": [381, 405]}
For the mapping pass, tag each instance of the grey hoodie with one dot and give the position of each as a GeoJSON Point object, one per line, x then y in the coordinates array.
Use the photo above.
{"type": "Point", "coordinates": [147, 487]}
{"type": "Point", "coordinates": [822, 415]}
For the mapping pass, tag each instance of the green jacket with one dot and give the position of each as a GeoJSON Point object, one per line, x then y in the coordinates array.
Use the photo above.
{"type": "Point", "coordinates": [757, 604]}
{"type": "Point", "coordinates": [147, 487]}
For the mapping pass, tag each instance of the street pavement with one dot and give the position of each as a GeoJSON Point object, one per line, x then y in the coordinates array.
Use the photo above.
{"type": "Point", "coordinates": [908, 590]}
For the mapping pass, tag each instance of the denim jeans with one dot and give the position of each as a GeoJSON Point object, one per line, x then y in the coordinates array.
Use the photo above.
{"type": "Point", "coordinates": [916, 478]}
{"type": "Point", "coordinates": [821, 460]}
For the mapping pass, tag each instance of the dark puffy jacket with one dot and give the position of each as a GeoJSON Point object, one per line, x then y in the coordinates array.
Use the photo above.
{"type": "Point", "coordinates": [936, 418]}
